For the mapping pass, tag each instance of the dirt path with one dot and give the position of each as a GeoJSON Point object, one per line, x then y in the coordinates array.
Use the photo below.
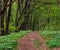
{"type": "Point", "coordinates": [27, 42]}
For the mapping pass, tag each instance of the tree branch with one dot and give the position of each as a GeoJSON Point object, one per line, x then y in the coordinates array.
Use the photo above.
{"type": "Point", "coordinates": [6, 6]}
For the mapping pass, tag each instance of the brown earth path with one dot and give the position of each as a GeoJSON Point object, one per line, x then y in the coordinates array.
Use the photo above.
{"type": "Point", "coordinates": [27, 42]}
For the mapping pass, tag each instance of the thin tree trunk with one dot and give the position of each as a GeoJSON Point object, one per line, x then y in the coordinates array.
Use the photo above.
{"type": "Point", "coordinates": [8, 19]}
{"type": "Point", "coordinates": [1, 19]}
{"type": "Point", "coordinates": [17, 16]}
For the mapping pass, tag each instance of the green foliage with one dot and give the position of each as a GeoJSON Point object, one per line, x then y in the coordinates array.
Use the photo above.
{"type": "Point", "coordinates": [10, 41]}
{"type": "Point", "coordinates": [53, 1]}
{"type": "Point", "coordinates": [8, 45]}
{"type": "Point", "coordinates": [54, 42]}
{"type": "Point", "coordinates": [52, 37]}
{"type": "Point", "coordinates": [39, 15]}
{"type": "Point", "coordinates": [50, 33]}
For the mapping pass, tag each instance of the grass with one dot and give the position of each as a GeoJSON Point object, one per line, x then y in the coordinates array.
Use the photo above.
{"type": "Point", "coordinates": [52, 37]}
{"type": "Point", "coordinates": [37, 43]}
{"type": "Point", "coordinates": [9, 42]}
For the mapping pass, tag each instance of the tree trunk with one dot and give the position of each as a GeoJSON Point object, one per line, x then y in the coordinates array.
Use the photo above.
{"type": "Point", "coordinates": [1, 19]}
{"type": "Point", "coordinates": [8, 19]}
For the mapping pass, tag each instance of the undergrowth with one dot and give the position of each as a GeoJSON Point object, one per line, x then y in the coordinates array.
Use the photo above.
{"type": "Point", "coordinates": [52, 37]}
{"type": "Point", "coordinates": [10, 42]}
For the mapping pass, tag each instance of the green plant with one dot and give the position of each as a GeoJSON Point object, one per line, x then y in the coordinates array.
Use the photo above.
{"type": "Point", "coordinates": [52, 37]}
{"type": "Point", "coordinates": [10, 42]}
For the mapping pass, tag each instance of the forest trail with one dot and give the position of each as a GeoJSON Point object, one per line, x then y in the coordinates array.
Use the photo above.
{"type": "Point", "coordinates": [27, 42]}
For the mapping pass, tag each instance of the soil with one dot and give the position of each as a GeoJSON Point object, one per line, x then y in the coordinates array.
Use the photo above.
{"type": "Point", "coordinates": [27, 42]}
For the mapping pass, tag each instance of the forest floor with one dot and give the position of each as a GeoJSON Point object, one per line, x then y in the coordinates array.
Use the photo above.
{"type": "Point", "coordinates": [33, 41]}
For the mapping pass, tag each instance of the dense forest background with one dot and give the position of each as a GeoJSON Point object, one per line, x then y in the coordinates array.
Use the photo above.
{"type": "Point", "coordinates": [16, 15]}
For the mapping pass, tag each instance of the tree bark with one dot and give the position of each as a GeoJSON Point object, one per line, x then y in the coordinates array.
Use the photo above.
{"type": "Point", "coordinates": [1, 19]}
{"type": "Point", "coordinates": [8, 19]}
